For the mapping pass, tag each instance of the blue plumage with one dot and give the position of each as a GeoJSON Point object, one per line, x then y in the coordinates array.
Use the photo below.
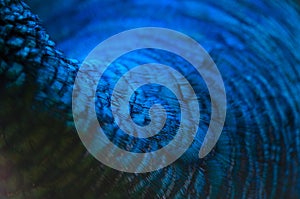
{"type": "Point", "coordinates": [255, 46]}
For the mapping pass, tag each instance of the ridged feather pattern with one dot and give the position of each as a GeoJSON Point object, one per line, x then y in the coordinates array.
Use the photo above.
{"type": "Point", "coordinates": [256, 47]}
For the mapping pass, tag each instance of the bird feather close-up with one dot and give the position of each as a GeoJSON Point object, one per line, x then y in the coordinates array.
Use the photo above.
{"type": "Point", "coordinates": [254, 44]}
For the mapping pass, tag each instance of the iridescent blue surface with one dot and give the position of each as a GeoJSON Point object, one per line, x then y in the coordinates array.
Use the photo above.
{"type": "Point", "coordinates": [256, 47]}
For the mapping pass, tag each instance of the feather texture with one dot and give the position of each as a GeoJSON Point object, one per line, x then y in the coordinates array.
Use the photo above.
{"type": "Point", "coordinates": [255, 46]}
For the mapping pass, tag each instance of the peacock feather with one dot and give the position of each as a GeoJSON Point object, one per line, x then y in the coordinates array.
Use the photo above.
{"type": "Point", "coordinates": [256, 47]}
